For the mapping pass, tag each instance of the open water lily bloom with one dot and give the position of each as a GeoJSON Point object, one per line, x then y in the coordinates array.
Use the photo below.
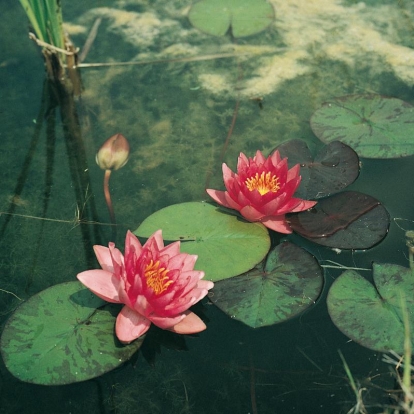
{"type": "Point", "coordinates": [262, 190]}
{"type": "Point", "coordinates": [156, 283]}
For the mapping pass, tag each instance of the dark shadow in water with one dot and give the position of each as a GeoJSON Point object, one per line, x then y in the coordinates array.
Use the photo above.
{"type": "Point", "coordinates": [56, 97]}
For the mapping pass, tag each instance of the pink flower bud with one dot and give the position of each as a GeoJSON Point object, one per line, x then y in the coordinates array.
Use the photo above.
{"type": "Point", "coordinates": [114, 153]}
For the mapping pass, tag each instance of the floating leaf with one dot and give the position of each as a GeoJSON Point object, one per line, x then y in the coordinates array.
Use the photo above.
{"type": "Point", "coordinates": [62, 335]}
{"type": "Point", "coordinates": [372, 315]}
{"type": "Point", "coordinates": [373, 125]}
{"type": "Point", "coordinates": [225, 244]}
{"type": "Point", "coordinates": [335, 167]}
{"type": "Point", "coordinates": [245, 17]}
{"type": "Point", "coordinates": [287, 283]}
{"type": "Point", "coordinates": [348, 220]}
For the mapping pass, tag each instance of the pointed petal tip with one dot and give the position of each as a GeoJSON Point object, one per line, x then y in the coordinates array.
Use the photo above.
{"type": "Point", "coordinates": [189, 325]}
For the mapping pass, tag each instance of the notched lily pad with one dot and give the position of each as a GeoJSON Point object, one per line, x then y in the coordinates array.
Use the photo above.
{"type": "Point", "coordinates": [225, 244]}
{"type": "Point", "coordinates": [348, 220]}
{"type": "Point", "coordinates": [374, 126]}
{"type": "Point", "coordinates": [334, 167]}
{"type": "Point", "coordinates": [372, 315]}
{"type": "Point", "coordinates": [284, 285]}
{"type": "Point", "coordinates": [244, 17]}
{"type": "Point", "coordinates": [62, 335]}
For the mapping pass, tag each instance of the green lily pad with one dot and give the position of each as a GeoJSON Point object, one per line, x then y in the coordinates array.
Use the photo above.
{"type": "Point", "coordinates": [62, 335]}
{"type": "Point", "coordinates": [284, 285]}
{"type": "Point", "coordinates": [225, 244]}
{"type": "Point", "coordinates": [245, 17]}
{"type": "Point", "coordinates": [334, 167]}
{"type": "Point", "coordinates": [374, 126]}
{"type": "Point", "coordinates": [348, 220]}
{"type": "Point", "coordinates": [372, 315]}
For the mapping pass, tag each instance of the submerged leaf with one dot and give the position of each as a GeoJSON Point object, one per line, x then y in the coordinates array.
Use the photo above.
{"type": "Point", "coordinates": [62, 335]}
{"type": "Point", "coordinates": [372, 315]}
{"type": "Point", "coordinates": [244, 17]}
{"type": "Point", "coordinates": [348, 220]}
{"type": "Point", "coordinates": [373, 125]}
{"type": "Point", "coordinates": [334, 167]}
{"type": "Point", "coordinates": [284, 285]}
{"type": "Point", "coordinates": [225, 244]}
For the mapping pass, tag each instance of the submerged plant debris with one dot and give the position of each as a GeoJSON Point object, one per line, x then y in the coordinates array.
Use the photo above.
{"type": "Point", "coordinates": [303, 34]}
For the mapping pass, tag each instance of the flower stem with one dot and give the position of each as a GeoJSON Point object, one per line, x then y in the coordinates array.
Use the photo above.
{"type": "Point", "coordinates": [109, 202]}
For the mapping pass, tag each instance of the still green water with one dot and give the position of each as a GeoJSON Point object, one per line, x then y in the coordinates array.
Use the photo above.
{"type": "Point", "coordinates": [176, 116]}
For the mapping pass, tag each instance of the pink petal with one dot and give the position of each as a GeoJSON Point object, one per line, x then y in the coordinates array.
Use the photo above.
{"type": "Point", "coordinates": [294, 205]}
{"type": "Point", "coordinates": [291, 186]}
{"type": "Point", "coordinates": [275, 158]}
{"type": "Point", "coordinates": [189, 262]}
{"type": "Point", "coordinates": [242, 162]}
{"type": "Point", "coordinates": [304, 205]}
{"type": "Point", "coordinates": [231, 202]}
{"type": "Point", "coordinates": [181, 304]}
{"type": "Point", "coordinates": [132, 244]}
{"type": "Point", "coordinates": [243, 198]}
{"type": "Point", "coordinates": [222, 198]}
{"type": "Point", "coordinates": [190, 324]}
{"type": "Point", "coordinates": [259, 158]}
{"type": "Point", "coordinates": [117, 260]}
{"type": "Point", "coordinates": [177, 261]}
{"type": "Point", "coordinates": [228, 175]}
{"type": "Point", "coordinates": [281, 171]}
{"type": "Point", "coordinates": [288, 207]}
{"type": "Point", "coordinates": [277, 223]}
{"type": "Point", "coordinates": [104, 257]}
{"type": "Point", "coordinates": [293, 172]}
{"type": "Point", "coordinates": [171, 250]}
{"type": "Point", "coordinates": [130, 325]}
{"type": "Point", "coordinates": [164, 322]}
{"type": "Point", "coordinates": [101, 282]}
{"type": "Point", "coordinates": [205, 284]}
{"type": "Point", "coordinates": [251, 214]}
{"type": "Point", "coordinates": [157, 236]}
{"type": "Point", "coordinates": [272, 207]}
{"type": "Point", "coordinates": [142, 306]}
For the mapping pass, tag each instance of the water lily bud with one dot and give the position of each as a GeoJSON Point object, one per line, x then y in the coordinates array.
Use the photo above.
{"type": "Point", "coordinates": [114, 153]}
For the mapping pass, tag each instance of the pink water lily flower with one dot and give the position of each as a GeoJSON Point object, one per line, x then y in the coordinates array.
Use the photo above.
{"type": "Point", "coordinates": [262, 190]}
{"type": "Point", "coordinates": [156, 284]}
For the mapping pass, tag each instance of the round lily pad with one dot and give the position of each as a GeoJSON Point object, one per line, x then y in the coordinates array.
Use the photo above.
{"type": "Point", "coordinates": [334, 167]}
{"type": "Point", "coordinates": [372, 315]}
{"type": "Point", "coordinates": [284, 285]}
{"type": "Point", "coordinates": [62, 335]}
{"type": "Point", "coordinates": [374, 126]}
{"type": "Point", "coordinates": [225, 244]}
{"type": "Point", "coordinates": [348, 220]}
{"type": "Point", "coordinates": [244, 17]}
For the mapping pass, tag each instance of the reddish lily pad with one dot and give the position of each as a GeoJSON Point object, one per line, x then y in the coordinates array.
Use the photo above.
{"type": "Point", "coordinates": [348, 220]}
{"type": "Point", "coordinates": [244, 17]}
{"type": "Point", "coordinates": [373, 315]}
{"type": "Point", "coordinates": [62, 335]}
{"type": "Point", "coordinates": [374, 126]}
{"type": "Point", "coordinates": [225, 244]}
{"type": "Point", "coordinates": [281, 287]}
{"type": "Point", "coordinates": [334, 167]}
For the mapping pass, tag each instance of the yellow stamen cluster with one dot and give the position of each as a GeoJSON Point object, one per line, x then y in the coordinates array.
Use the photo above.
{"type": "Point", "coordinates": [157, 278]}
{"type": "Point", "coordinates": [263, 183]}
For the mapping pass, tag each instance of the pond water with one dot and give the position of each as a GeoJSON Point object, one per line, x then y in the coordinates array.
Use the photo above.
{"type": "Point", "coordinates": [193, 102]}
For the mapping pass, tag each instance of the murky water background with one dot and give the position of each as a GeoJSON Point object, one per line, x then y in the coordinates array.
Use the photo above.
{"type": "Point", "coordinates": [176, 116]}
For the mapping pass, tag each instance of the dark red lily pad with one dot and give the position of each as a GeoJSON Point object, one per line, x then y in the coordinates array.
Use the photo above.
{"type": "Point", "coordinates": [334, 167]}
{"type": "Point", "coordinates": [374, 126]}
{"type": "Point", "coordinates": [281, 287]}
{"type": "Point", "coordinates": [349, 220]}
